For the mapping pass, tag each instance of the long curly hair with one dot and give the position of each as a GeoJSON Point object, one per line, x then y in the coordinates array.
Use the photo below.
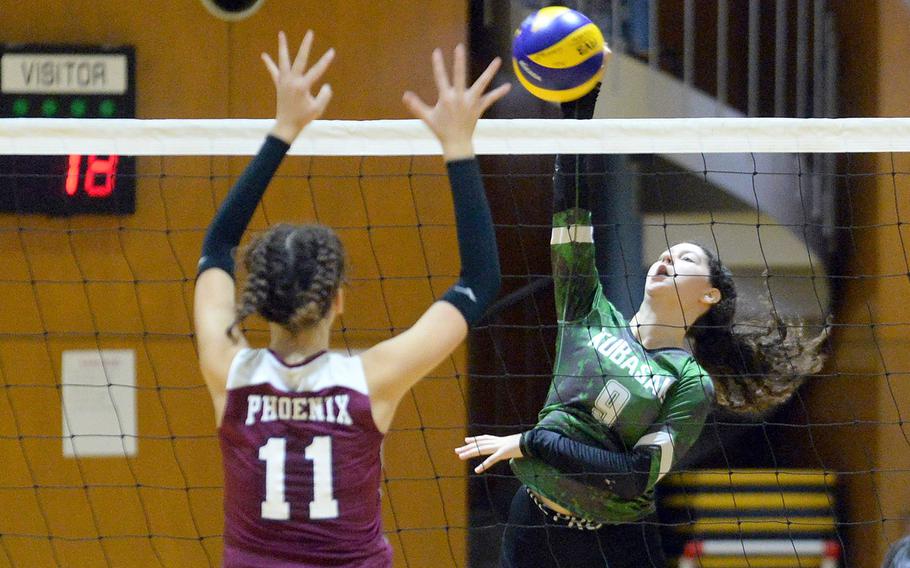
{"type": "Point", "coordinates": [755, 365]}
{"type": "Point", "coordinates": [294, 273]}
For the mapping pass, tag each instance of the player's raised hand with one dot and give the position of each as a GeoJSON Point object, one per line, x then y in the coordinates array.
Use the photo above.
{"type": "Point", "coordinates": [296, 105]}
{"type": "Point", "coordinates": [458, 106]}
{"type": "Point", "coordinates": [497, 447]}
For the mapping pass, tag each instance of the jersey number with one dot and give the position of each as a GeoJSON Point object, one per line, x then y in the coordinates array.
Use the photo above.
{"type": "Point", "coordinates": [610, 402]}
{"type": "Point", "coordinates": [323, 505]}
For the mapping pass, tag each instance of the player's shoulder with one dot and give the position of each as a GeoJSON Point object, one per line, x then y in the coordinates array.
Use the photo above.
{"type": "Point", "coordinates": [346, 364]}
{"type": "Point", "coordinates": [342, 370]}
{"type": "Point", "coordinates": [692, 382]}
{"type": "Point", "coordinates": [243, 367]}
{"type": "Point", "coordinates": [605, 312]}
{"type": "Point", "coordinates": [694, 378]}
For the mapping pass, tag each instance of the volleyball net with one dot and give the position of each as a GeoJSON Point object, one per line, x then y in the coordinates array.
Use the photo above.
{"type": "Point", "coordinates": [106, 430]}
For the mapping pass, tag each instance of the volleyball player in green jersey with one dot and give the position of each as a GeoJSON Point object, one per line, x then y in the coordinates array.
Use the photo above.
{"type": "Point", "coordinates": [628, 398]}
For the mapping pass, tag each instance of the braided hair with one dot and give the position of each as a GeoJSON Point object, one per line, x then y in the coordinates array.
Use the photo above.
{"type": "Point", "coordinates": [294, 273]}
{"type": "Point", "coordinates": [754, 365]}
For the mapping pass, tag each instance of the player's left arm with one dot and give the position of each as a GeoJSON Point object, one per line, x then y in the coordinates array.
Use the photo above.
{"type": "Point", "coordinates": [395, 365]}
{"type": "Point", "coordinates": [681, 421]}
{"type": "Point", "coordinates": [627, 474]}
{"type": "Point", "coordinates": [633, 473]}
{"type": "Point", "coordinates": [624, 473]}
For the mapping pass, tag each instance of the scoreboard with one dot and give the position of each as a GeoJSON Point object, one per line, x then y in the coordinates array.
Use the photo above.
{"type": "Point", "coordinates": [67, 81]}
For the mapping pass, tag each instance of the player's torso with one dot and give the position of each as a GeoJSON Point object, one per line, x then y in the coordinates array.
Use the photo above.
{"type": "Point", "coordinates": [302, 468]}
{"type": "Point", "coordinates": [607, 390]}
{"type": "Point", "coordinates": [606, 386]}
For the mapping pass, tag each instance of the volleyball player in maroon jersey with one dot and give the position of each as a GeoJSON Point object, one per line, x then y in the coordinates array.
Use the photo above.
{"type": "Point", "coordinates": [300, 428]}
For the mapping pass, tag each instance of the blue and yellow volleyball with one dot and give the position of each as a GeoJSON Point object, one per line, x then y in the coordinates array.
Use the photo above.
{"type": "Point", "coordinates": [558, 54]}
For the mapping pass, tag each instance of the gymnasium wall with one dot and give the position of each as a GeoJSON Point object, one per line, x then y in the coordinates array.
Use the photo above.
{"type": "Point", "coordinates": [860, 416]}
{"type": "Point", "coordinates": [127, 282]}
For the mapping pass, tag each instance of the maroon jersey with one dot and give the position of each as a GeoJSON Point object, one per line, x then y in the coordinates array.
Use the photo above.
{"type": "Point", "coordinates": [301, 467]}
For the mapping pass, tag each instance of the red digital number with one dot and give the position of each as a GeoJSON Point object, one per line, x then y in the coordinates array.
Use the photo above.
{"type": "Point", "coordinates": [103, 169]}
{"type": "Point", "coordinates": [100, 175]}
{"type": "Point", "coordinates": [72, 174]}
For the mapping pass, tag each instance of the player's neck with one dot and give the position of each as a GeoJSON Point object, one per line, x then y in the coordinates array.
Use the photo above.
{"type": "Point", "coordinates": [297, 348]}
{"type": "Point", "coordinates": [658, 330]}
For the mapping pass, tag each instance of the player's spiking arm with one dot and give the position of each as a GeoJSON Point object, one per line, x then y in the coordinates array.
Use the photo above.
{"type": "Point", "coordinates": [575, 275]}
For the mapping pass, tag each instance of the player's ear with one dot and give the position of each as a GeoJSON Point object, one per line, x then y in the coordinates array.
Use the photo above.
{"type": "Point", "coordinates": [338, 302]}
{"type": "Point", "coordinates": [711, 296]}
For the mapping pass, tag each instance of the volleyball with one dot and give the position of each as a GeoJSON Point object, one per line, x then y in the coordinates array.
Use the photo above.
{"type": "Point", "coordinates": [558, 54]}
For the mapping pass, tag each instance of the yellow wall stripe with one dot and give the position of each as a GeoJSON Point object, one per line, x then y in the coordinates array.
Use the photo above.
{"type": "Point", "coordinates": [754, 477]}
{"type": "Point", "coordinates": [759, 524]}
{"type": "Point", "coordinates": [754, 561]}
{"type": "Point", "coordinates": [751, 500]}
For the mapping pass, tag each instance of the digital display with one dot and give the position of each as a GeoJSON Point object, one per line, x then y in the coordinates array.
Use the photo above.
{"type": "Point", "coordinates": [67, 81]}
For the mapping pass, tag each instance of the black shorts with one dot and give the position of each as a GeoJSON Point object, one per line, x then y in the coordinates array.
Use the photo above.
{"type": "Point", "coordinates": [533, 539]}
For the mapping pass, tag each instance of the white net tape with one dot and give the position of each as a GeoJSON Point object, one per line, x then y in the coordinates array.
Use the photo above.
{"type": "Point", "coordinates": [143, 137]}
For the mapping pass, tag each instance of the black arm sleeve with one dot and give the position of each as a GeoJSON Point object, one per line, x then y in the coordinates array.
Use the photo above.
{"type": "Point", "coordinates": [625, 473]}
{"type": "Point", "coordinates": [570, 181]}
{"type": "Point", "coordinates": [479, 280]}
{"type": "Point", "coordinates": [237, 209]}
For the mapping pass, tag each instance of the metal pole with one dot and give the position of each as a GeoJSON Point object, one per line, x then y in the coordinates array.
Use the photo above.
{"type": "Point", "coordinates": [802, 56]}
{"type": "Point", "coordinates": [831, 66]}
{"type": "Point", "coordinates": [831, 74]}
{"type": "Point", "coordinates": [754, 60]}
{"type": "Point", "coordinates": [653, 32]}
{"type": "Point", "coordinates": [818, 55]}
{"type": "Point", "coordinates": [688, 41]}
{"type": "Point", "coordinates": [780, 59]}
{"type": "Point", "coordinates": [616, 40]}
{"type": "Point", "coordinates": [723, 24]}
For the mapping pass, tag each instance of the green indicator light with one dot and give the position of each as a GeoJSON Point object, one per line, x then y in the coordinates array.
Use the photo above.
{"type": "Point", "coordinates": [107, 108]}
{"type": "Point", "coordinates": [78, 108]}
{"type": "Point", "coordinates": [20, 107]}
{"type": "Point", "coordinates": [49, 107]}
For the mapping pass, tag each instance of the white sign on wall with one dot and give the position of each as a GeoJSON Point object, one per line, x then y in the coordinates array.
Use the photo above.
{"type": "Point", "coordinates": [63, 73]}
{"type": "Point", "coordinates": [99, 403]}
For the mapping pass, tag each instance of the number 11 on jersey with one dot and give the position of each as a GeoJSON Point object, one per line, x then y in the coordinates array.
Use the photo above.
{"type": "Point", "coordinates": [274, 454]}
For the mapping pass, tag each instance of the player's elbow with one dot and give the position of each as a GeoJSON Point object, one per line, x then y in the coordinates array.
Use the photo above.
{"type": "Point", "coordinates": [473, 294]}
{"type": "Point", "coordinates": [637, 479]}
{"type": "Point", "coordinates": [488, 288]}
{"type": "Point", "coordinates": [481, 289]}
{"type": "Point", "coordinates": [630, 486]}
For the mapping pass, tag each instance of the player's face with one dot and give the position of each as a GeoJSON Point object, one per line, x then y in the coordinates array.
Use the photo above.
{"type": "Point", "coordinates": [682, 272]}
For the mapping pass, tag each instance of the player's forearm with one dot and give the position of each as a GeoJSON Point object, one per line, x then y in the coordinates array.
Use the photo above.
{"type": "Point", "coordinates": [572, 178]}
{"type": "Point", "coordinates": [479, 280]}
{"type": "Point", "coordinates": [235, 212]}
{"type": "Point", "coordinates": [570, 183]}
{"type": "Point", "coordinates": [625, 473]}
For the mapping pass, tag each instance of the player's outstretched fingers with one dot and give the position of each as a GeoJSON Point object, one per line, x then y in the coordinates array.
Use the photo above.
{"type": "Point", "coordinates": [418, 108]}
{"type": "Point", "coordinates": [459, 69]}
{"type": "Point", "coordinates": [284, 59]}
{"type": "Point", "coordinates": [319, 68]}
{"type": "Point", "coordinates": [439, 72]}
{"type": "Point", "coordinates": [303, 53]}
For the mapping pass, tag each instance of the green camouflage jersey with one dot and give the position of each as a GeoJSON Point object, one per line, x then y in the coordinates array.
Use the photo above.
{"type": "Point", "coordinates": [607, 389]}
